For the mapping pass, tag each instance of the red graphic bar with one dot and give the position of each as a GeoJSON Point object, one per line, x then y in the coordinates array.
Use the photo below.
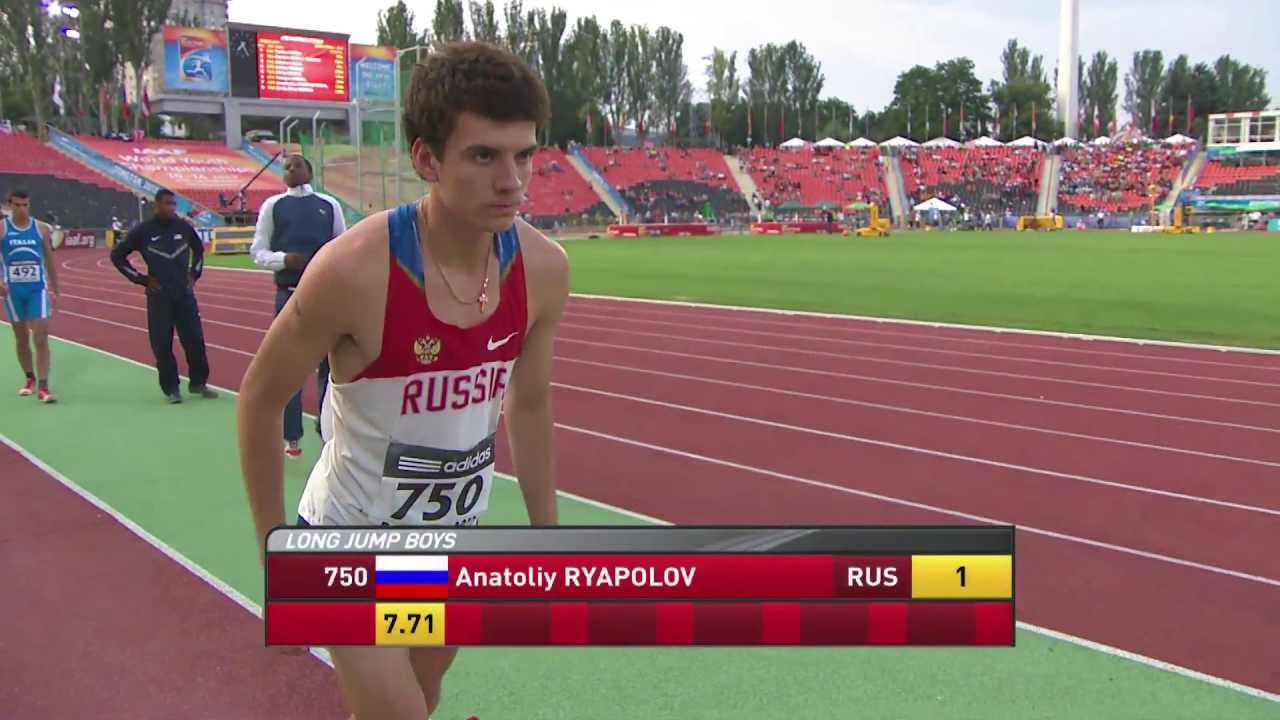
{"type": "Point", "coordinates": [693, 577]}
{"type": "Point", "coordinates": [729, 624]}
{"type": "Point", "coordinates": [302, 575]}
{"type": "Point", "coordinates": [321, 623]}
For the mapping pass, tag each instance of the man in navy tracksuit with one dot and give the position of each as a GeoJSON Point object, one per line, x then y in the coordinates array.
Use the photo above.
{"type": "Point", "coordinates": [174, 255]}
{"type": "Point", "coordinates": [291, 228]}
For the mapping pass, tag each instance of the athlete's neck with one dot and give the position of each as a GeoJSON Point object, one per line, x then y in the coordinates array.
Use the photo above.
{"type": "Point", "coordinates": [21, 224]}
{"type": "Point", "coordinates": [450, 240]}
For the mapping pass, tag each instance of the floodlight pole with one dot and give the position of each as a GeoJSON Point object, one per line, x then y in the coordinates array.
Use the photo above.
{"type": "Point", "coordinates": [399, 113]}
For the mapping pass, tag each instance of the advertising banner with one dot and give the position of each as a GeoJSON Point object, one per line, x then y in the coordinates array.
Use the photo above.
{"type": "Point", "coordinates": [373, 73]}
{"type": "Point", "coordinates": [195, 60]}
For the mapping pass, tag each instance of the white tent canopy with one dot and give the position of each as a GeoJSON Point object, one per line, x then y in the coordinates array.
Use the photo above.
{"type": "Point", "coordinates": [829, 142]}
{"type": "Point", "coordinates": [794, 142]}
{"type": "Point", "coordinates": [986, 141]}
{"type": "Point", "coordinates": [1028, 141]}
{"type": "Point", "coordinates": [935, 204]}
{"type": "Point", "coordinates": [1103, 140]}
{"type": "Point", "coordinates": [862, 142]}
{"type": "Point", "coordinates": [942, 142]}
{"type": "Point", "coordinates": [1179, 139]}
{"type": "Point", "coordinates": [899, 141]}
{"type": "Point", "coordinates": [1066, 141]}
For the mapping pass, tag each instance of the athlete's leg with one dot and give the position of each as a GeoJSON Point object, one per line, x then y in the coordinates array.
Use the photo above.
{"type": "Point", "coordinates": [379, 683]}
{"type": "Point", "coordinates": [293, 410]}
{"type": "Point", "coordinates": [22, 338]}
{"type": "Point", "coordinates": [191, 335]}
{"type": "Point", "coordinates": [40, 338]}
{"type": "Point", "coordinates": [430, 665]}
{"type": "Point", "coordinates": [160, 330]}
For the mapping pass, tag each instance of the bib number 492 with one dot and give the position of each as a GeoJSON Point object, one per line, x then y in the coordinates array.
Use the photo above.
{"type": "Point", "coordinates": [440, 498]}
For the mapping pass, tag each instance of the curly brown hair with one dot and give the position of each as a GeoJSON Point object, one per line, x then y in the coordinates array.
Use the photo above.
{"type": "Point", "coordinates": [473, 77]}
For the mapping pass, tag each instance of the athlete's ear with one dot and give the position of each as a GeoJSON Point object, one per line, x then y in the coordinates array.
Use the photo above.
{"type": "Point", "coordinates": [425, 162]}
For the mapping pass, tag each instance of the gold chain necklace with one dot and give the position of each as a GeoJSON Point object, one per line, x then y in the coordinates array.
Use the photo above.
{"type": "Point", "coordinates": [482, 298]}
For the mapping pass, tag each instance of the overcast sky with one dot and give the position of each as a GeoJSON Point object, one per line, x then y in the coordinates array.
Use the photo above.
{"type": "Point", "coordinates": [864, 44]}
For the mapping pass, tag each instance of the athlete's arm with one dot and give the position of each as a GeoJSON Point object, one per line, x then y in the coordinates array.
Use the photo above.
{"type": "Point", "coordinates": [50, 267]}
{"type": "Point", "coordinates": [120, 253]}
{"type": "Point", "coordinates": [322, 312]}
{"type": "Point", "coordinates": [197, 253]}
{"type": "Point", "coordinates": [260, 250]}
{"type": "Point", "coordinates": [530, 424]}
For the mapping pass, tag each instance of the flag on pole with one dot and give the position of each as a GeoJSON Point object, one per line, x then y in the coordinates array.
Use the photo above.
{"type": "Point", "coordinates": [1191, 115]}
{"type": "Point", "coordinates": [124, 102]}
{"type": "Point", "coordinates": [1033, 118]}
{"type": "Point", "coordinates": [590, 135]}
{"type": "Point", "coordinates": [945, 122]}
{"type": "Point", "coordinates": [57, 96]}
{"type": "Point", "coordinates": [1097, 121]}
{"type": "Point", "coordinates": [146, 102]}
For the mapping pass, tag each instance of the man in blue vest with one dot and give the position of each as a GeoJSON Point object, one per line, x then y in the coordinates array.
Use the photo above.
{"type": "Point", "coordinates": [291, 228]}
{"type": "Point", "coordinates": [29, 279]}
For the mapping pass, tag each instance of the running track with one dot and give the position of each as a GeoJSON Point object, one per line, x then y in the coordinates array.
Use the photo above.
{"type": "Point", "coordinates": [1145, 480]}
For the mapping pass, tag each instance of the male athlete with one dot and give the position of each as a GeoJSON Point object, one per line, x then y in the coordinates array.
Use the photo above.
{"type": "Point", "coordinates": [433, 315]}
{"type": "Point", "coordinates": [292, 227]}
{"type": "Point", "coordinates": [174, 255]}
{"type": "Point", "coordinates": [26, 258]}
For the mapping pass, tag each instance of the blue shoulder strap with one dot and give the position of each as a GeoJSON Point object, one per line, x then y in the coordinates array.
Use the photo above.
{"type": "Point", "coordinates": [402, 231]}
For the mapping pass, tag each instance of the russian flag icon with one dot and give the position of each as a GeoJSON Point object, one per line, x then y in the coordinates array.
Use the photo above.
{"type": "Point", "coordinates": [411, 577]}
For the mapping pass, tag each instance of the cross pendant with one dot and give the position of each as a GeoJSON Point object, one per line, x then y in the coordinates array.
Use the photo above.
{"type": "Point", "coordinates": [483, 300]}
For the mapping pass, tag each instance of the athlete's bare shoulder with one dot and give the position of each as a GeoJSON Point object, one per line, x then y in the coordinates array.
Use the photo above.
{"type": "Point", "coordinates": [546, 267]}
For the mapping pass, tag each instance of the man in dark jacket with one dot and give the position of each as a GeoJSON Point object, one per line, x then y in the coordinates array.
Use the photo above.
{"type": "Point", "coordinates": [291, 229]}
{"type": "Point", "coordinates": [174, 256]}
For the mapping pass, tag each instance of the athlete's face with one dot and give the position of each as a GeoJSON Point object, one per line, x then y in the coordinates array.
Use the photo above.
{"type": "Point", "coordinates": [20, 210]}
{"type": "Point", "coordinates": [166, 208]}
{"type": "Point", "coordinates": [485, 169]}
{"type": "Point", "coordinates": [296, 172]}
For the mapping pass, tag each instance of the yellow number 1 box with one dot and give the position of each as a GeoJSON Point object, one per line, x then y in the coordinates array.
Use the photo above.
{"type": "Point", "coordinates": [940, 577]}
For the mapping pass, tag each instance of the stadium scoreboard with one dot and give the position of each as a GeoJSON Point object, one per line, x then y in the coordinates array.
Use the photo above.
{"type": "Point", "coordinates": [642, 586]}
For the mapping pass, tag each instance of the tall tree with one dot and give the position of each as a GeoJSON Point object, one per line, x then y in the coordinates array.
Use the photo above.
{"type": "Point", "coordinates": [1142, 87]}
{"type": "Point", "coordinates": [777, 88]}
{"type": "Point", "coordinates": [640, 78]}
{"type": "Point", "coordinates": [396, 27]}
{"type": "Point", "coordinates": [959, 92]}
{"type": "Point", "coordinates": [1240, 86]}
{"type": "Point", "coordinates": [616, 97]}
{"type": "Point", "coordinates": [136, 22]}
{"type": "Point", "coordinates": [449, 23]}
{"type": "Point", "coordinates": [26, 35]}
{"type": "Point", "coordinates": [484, 21]}
{"type": "Point", "coordinates": [756, 94]}
{"type": "Point", "coordinates": [722, 88]}
{"type": "Point", "coordinates": [518, 37]}
{"type": "Point", "coordinates": [671, 87]}
{"type": "Point", "coordinates": [585, 57]}
{"type": "Point", "coordinates": [548, 33]}
{"type": "Point", "coordinates": [1100, 82]}
{"type": "Point", "coordinates": [1022, 100]}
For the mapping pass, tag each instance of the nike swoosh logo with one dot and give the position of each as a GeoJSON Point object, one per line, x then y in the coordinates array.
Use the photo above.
{"type": "Point", "coordinates": [495, 345]}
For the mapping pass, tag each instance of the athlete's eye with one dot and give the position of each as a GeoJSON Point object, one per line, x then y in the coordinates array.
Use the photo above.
{"type": "Point", "coordinates": [483, 156]}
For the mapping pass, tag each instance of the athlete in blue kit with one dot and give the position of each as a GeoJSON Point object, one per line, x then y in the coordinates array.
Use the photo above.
{"type": "Point", "coordinates": [26, 258]}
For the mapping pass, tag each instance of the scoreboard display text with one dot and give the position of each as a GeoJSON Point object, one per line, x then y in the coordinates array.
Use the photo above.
{"type": "Point", "coordinates": [644, 586]}
{"type": "Point", "coordinates": [286, 64]}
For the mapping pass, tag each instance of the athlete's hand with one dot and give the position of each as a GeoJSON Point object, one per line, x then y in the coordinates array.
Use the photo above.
{"type": "Point", "coordinates": [4, 292]}
{"type": "Point", "coordinates": [295, 261]}
{"type": "Point", "coordinates": [152, 283]}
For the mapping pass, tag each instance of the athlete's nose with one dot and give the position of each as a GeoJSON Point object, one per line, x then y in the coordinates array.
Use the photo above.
{"type": "Point", "coordinates": [508, 179]}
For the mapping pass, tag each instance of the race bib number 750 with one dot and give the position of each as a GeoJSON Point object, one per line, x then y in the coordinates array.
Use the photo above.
{"type": "Point", "coordinates": [430, 486]}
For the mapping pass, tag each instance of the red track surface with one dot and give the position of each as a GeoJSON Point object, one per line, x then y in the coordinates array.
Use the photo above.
{"type": "Point", "coordinates": [51, 669]}
{"type": "Point", "coordinates": [1143, 478]}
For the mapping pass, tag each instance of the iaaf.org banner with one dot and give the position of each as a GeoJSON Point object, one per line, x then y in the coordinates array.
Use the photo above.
{"type": "Point", "coordinates": [79, 238]}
